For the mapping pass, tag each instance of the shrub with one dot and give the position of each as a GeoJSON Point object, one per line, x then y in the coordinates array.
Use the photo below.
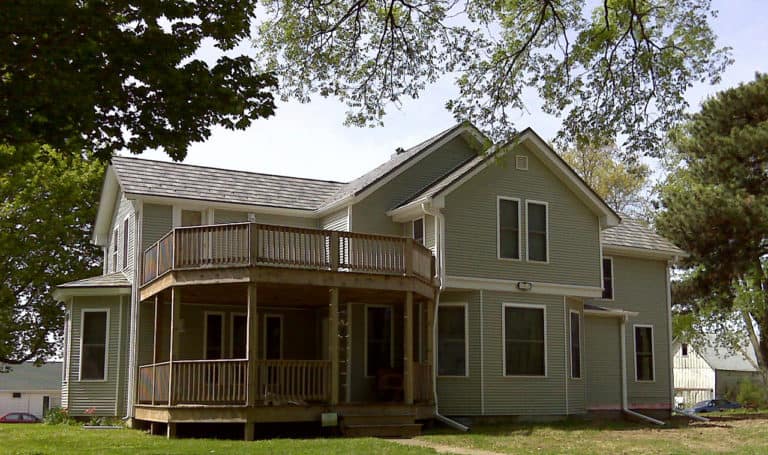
{"type": "Point", "coordinates": [59, 416]}
{"type": "Point", "coordinates": [750, 394]}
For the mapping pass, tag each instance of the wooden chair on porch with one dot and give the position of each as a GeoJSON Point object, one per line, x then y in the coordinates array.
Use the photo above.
{"type": "Point", "coordinates": [389, 385]}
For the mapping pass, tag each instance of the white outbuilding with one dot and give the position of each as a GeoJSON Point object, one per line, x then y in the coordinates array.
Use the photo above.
{"type": "Point", "coordinates": [703, 372]}
{"type": "Point", "coordinates": [29, 388]}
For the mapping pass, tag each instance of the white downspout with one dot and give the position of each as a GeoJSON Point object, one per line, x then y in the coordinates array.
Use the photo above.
{"type": "Point", "coordinates": [439, 219]}
{"type": "Point", "coordinates": [624, 400]}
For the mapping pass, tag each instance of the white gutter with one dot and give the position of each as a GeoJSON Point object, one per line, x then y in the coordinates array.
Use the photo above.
{"type": "Point", "coordinates": [441, 276]}
{"type": "Point", "coordinates": [624, 400]}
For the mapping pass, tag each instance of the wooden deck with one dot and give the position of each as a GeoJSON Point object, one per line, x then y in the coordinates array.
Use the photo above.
{"type": "Point", "coordinates": [258, 253]}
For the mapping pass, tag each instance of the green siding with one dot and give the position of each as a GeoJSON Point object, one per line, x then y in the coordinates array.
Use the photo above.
{"type": "Point", "coordinates": [108, 396]}
{"type": "Point", "coordinates": [336, 221]}
{"type": "Point", "coordinates": [369, 215]}
{"type": "Point", "coordinates": [124, 210]}
{"type": "Point", "coordinates": [577, 388]}
{"type": "Point", "coordinates": [520, 395]}
{"type": "Point", "coordinates": [603, 362]}
{"type": "Point", "coordinates": [471, 225]}
{"type": "Point", "coordinates": [282, 220]}
{"type": "Point", "coordinates": [462, 395]}
{"type": "Point", "coordinates": [640, 286]}
{"type": "Point", "coordinates": [158, 221]}
{"type": "Point", "coordinates": [229, 216]}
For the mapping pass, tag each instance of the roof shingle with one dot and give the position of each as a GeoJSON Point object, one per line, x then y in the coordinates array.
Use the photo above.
{"type": "Point", "coordinates": [635, 234]}
{"type": "Point", "coordinates": [112, 280]}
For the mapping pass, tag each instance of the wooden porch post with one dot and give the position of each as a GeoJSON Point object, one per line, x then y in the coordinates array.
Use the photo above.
{"type": "Point", "coordinates": [408, 349]}
{"type": "Point", "coordinates": [333, 344]}
{"type": "Point", "coordinates": [174, 341]}
{"type": "Point", "coordinates": [154, 347]}
{"type": "Point", "coordinates": [253, 346]}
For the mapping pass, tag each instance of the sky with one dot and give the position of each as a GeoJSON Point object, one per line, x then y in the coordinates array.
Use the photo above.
{"type": "Point", "coordinates": [310, 140]}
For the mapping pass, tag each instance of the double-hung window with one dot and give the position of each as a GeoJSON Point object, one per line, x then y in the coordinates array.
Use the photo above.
{"type": "Point", "coordinates": [115, 243]}
{"type": "Point", "coordinates": [575, 345]}
{"type": "Point", "coordinates": [93, 348]}
{"type": "Point", "coordinates": [538, 248]}
{"type": "Point", "coordinates": [524, 340]}
{"type": "Point", "coordinates": [608, 278]}
{"type": "Point", "coordinates": [508, 228]}
{"type": "Point", "coordinates": [418, 230]}
{"type": "Point", "coordinates": [452, 340]}
{"type": "Point", "coordinates": [125, 243]}
{"type": "Point", "coordinates": [644, 353]}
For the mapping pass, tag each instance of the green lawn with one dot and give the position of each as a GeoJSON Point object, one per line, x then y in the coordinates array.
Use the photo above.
{"type": "Point", "coordinates": [730, 433]}
{"type": "Point", "coordinates": [63, 439]}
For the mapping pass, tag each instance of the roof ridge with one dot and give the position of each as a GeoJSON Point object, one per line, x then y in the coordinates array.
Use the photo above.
{"type": "Point", "coordinates": [200, 166]}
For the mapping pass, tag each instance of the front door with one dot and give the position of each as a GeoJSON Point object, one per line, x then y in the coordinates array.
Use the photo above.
{"type": "Point", "coordinates": [273, 337]}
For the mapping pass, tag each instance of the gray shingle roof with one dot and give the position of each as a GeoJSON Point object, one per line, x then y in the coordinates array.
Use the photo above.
{"type": "Point", "coordinates": [635, 234]}
{"type": "Point", "coordinates": [358, 185]}
{"type": "Point", "coordinates": [112, 280]}
{"type": "Point", "coordinates": [158, 178]}
{"type": "Point", "coordinates": [29, 377]}
{"type": "Point", "coordinates": [721, 358]}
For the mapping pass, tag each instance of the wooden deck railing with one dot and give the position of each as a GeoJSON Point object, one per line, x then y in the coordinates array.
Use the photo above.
{"type": "Point", "coordinates": [210, 381]}
{"type": "Point", "coordinates": [252, 244]}
{"type": "Point", "coordinates": [422, 382]}
{"type": "Point", "coordinates": [226, 382]}
{"type": "Point", "coordinates": [284, 381]}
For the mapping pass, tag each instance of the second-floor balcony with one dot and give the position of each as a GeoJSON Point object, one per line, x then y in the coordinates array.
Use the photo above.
{"type": "Point", "coordinates": [253, 245]}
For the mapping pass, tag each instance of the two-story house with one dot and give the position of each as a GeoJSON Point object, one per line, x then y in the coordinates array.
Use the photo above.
{"type": "Point", "coordinates": [445, 282]}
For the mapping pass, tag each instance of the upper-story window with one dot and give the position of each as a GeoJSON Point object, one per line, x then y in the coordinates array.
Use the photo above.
{"type": "Point", "coordinates": [608, 278]}
{"type": "Point", "coordinates": [125, 243]}
{"type": "Point", "coordinates": [684, 349]}
{"type": "Point", "coordinates": [509, 228]}
{"type": "Point", "coordinates": [115, 243]}
{"type": "Point", "coordinates": [418, 230]}
{"type": "Point", "coordinates": [538, 237]}
{"type": "Point", "coordinates": [191, 218]}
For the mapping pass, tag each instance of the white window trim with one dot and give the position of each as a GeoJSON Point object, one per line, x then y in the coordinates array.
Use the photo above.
{"type": "Point", "coordinates": [423, 230]}
{"type": "Point", "coordinates": [126, 237]}
{"type": "Point", "coordinates": [653, 352]}
{"type": "Point", "coordinates": [205, 334]}
{"type": "Point", "coordinates": [546, 225]}
{"type": "Point", "coordinates": [264, 333]}
{"type": "Point", "coordinates": [465, 306]}
{"type": "Point", "coordinates": [232, 317]}
{"type": "Point", "coordinates": [106, 345]}
{"type": "Point", "coordinates": [570, 347]}
{"type": "Point", "coordinates": [365, 339]}
{"type": "Point", "coordinates": [519, 228]}
{"type": "Point", "coordinates": [504, 307]}
{"type": "Point", "coordinates": [613, 279]}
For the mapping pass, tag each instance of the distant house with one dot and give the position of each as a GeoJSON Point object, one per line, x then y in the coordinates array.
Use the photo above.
{"type": "Point", "coordinates": [28, 388]}
{"type": "Point", "coordinates": [706, 371]}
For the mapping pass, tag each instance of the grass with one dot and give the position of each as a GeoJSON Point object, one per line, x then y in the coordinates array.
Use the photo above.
{"type": "Point", "coordinates": [733, 432]}
{"type": "Point", "coordinates": [730, 433]}
{"type": "Point", "coordinates": [64, 439]}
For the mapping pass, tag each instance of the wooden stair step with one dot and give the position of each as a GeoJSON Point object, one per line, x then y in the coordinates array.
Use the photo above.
{"type": "Point", "coordinates": [378, 419]}
{"type": "Point", "coordinates": [399, 430]}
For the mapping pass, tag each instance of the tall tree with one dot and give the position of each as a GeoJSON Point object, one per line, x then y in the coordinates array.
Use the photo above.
{"type": "Point", "coordinates": [47, 205]}
{"type": "Point", "coordinates": [106, 75]}
{"type": "Point", "coordinates": [623, 184]}
{"type": "Point", "coordinates": [620, 67]}
{"type": "Point", "coordinates": [715, 206]}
